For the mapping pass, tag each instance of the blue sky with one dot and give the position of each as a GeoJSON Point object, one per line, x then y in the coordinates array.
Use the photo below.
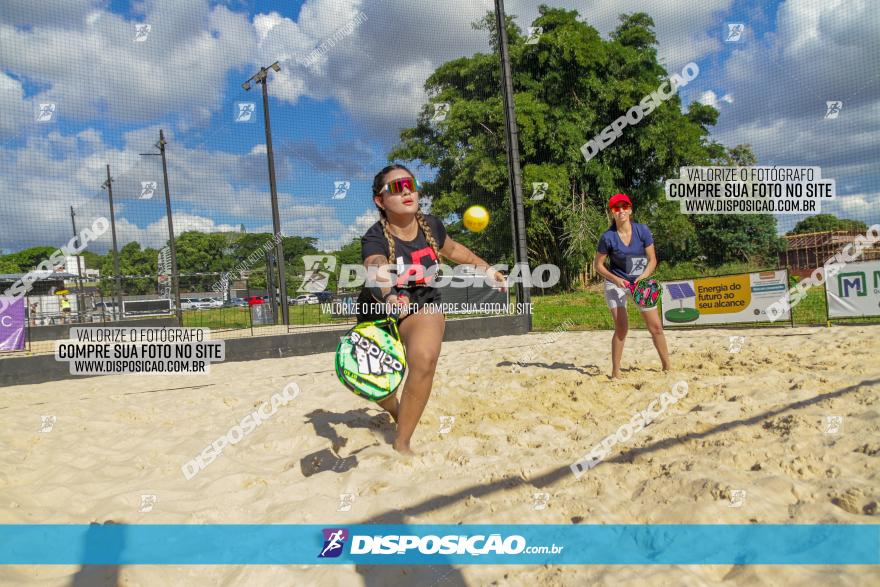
{"type": "Point", "coordinates": [337, 120]}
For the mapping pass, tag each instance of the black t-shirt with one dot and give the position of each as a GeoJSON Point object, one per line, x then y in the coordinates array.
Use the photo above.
{"type": "Point", "coordinates": [415, 252]}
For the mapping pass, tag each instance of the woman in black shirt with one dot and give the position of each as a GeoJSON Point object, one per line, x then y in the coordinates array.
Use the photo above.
{"type": "Point", "coordinates": [413, 242]}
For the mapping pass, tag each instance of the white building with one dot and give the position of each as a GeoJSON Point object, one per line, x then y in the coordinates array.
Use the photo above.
{"type": "Point", "coordinates": [70, 266]}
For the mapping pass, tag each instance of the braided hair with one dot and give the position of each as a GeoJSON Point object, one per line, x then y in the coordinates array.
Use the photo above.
{"type": "Point", "coordinates": [378, 183]}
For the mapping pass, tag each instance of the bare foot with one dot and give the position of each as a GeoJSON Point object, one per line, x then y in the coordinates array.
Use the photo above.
{"type": "Point", "coordinates": [616, 375]}
{"type": "Point", "coordinates": [403, 448]}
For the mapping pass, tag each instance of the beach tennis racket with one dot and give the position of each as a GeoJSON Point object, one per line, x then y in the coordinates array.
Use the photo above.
{"type": "Point", "coordinates": [646, 293]}
{"type": "Point", "coordinates": [371, 359]}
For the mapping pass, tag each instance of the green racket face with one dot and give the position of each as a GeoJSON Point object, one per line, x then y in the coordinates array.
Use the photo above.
{"type": "Point", "coordinates": [370, 360]}
{"type": "Point", "coordinates": [647, 293]}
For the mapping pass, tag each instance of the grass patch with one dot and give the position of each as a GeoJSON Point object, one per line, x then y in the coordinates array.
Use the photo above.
{"type": "Point", "coordinates": [584, 310]}
{"type": "Point", "coordinates": [226, 318]}
{"type": "Point", "coordinates": [587, 310]}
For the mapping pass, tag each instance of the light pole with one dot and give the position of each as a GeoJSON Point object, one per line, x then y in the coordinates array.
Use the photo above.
{"type": "Point", "coordinates": [175, 276]}
{"type": "Point", "coordinates": [517, 213]}
{"type": "Point", "coordinates": [108, 185]}
{"type": "Point", "coordinates": [80, 294]}
{"type": "Point", "coordinates": [262, 77]}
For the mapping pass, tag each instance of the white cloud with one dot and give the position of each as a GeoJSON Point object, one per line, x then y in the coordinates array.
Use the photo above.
{"type": "Point", "coordinates": [94, 70]}
{"type": "Point", "coordinates": [860, 206]}
{"type": "Point", "coordinates": [356, 230]}
{"type": "Point", "coordinates": [820, 51]}
{"type": "Point", "coordinates": [710, 98]}
{"type": "Point", "coordinates": [685, 30]}
{"type": "Point", "coordinates": [50, 174]}
{"type": "Point", "coordinates": [155, 234]}
{"type": "Point", "coordinates": [83, 56]}
{"type": "Point", "coordinates": [379, 83]}
{"type": "Point", "coordinates": [15, 112]}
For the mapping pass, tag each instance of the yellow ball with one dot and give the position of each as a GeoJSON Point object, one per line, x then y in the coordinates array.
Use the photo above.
{"type": "Point", "coordinates": [476, 218]}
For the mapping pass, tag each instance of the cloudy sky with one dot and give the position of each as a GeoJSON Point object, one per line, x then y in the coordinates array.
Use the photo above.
{"type": "Point", "coordinates": [336, 119]}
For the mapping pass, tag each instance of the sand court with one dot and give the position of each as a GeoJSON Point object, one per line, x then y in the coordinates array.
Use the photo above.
{"type": "Point", "coordinates": [781, 428]}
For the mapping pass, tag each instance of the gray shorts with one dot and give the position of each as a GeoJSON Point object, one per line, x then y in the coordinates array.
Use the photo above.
{"type": "Point", "coordinates": [616, 297]}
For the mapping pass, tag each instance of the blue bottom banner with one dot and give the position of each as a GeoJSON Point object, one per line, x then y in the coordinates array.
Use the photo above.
{"type": "Point", "coordinates": [220, 544]}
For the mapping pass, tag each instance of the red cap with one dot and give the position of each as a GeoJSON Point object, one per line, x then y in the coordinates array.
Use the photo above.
{"type": "Point", "coordinates": [618, 198]}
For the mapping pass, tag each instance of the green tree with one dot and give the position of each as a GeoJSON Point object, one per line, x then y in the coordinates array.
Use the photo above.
{"type": "Point", "coordinates": [26, 259]}
{"type": "Point", "coordinates": [93, 260]}
{"type": "Point", "coordinates": [244, 245]}
{"type": "Point", "coordinates": [201, 252]}
{"type": "Point", "coordinates": [7, 266]}
{"type": "Point", "coordinates": [828, 222]}
{"type": "Point", "coordinates": [294, 249]}
{"type": "Point", "coordinates": [139, 268]}
{"type": "Point", "coordinates": [725, 238]}
{"type": "Point", "coordinates": [568, 88]}
{"type": "Point", "coordinates": [349, 254]}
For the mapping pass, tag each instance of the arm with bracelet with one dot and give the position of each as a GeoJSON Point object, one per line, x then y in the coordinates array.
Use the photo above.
{"type": "Point", "coordinates": [461, 254]}
{"type": "Point", "coordinates": [382, 289]}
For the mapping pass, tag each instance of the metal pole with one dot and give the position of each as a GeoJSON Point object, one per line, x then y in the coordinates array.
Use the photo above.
{"type": "Point", "coordinates": [247, 285]}
{"type": "Point", "coordinates": [270, 285]}
{"type": "Point", "coordinates": [517, 212]}
{"type": "Point", "coordinates": [175, 276]}
{"type": "Point", "coordinates": [79, 294]}
{"type": "Point", "coordinates": [109, 185]}
{"type": "Point", "coordinates": [276, 217]}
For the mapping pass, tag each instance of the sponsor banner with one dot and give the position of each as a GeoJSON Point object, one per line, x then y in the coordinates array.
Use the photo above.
{"type": "Point", "coordinates": [12, 324]}
{"type": "Point", "coordinates": [855, 291]}
{"type": "Point", "coordinates": [726, 299]}
{"type": "Point", "coordinates": [199, 544]}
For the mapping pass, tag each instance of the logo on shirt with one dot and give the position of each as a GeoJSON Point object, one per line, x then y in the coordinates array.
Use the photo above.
{"type": "Point", "coordinates": [414, 273]}
{"type": "Point", "coordinates": [636, 265]}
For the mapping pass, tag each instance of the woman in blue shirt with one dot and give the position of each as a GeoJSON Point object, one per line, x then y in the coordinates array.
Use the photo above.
{"type": "Point", "coordinates": [629, 246]}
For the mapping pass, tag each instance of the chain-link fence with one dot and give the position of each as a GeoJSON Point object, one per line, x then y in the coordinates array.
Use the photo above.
{"type": "Point", "coordinates": [96, 203]}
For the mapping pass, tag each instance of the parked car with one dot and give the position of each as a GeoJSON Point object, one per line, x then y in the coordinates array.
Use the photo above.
{"type": "Point", "coordinates": [324, 296]}
{"type": "Point", "coordinates": [235, 303]}
{"type": "Point", "coordinates": [212, 302]}
{"type": "Point", "coordinates": [193, 304]}
{"type": "Point", "coordinates": [255, 300]}
{"type": "Point", "coordinates": [306, 299]}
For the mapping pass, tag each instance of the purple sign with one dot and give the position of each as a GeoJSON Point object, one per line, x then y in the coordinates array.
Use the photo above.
{"type": "Point", "coordinates": [12, 324]}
